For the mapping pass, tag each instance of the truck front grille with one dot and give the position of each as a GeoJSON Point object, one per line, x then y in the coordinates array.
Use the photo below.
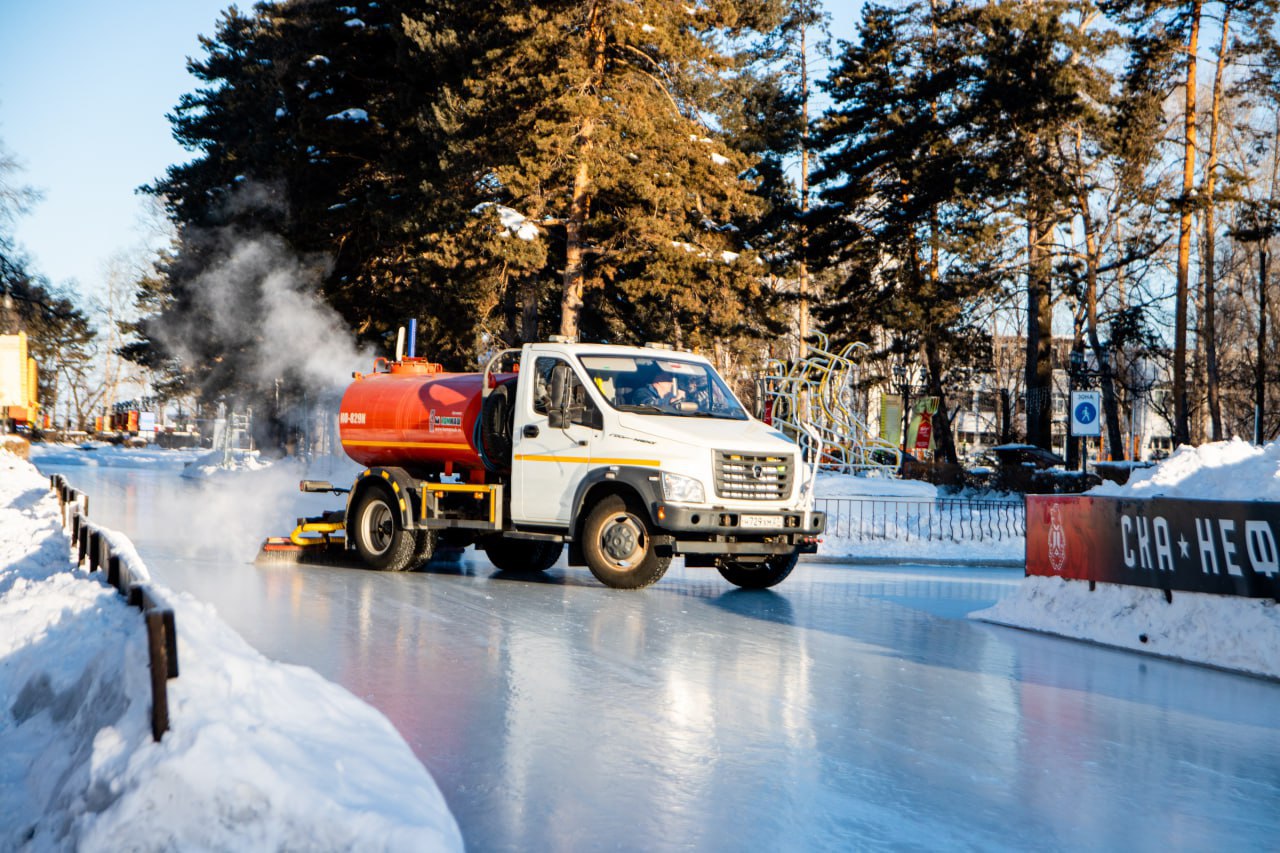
{"type": "Point", "coordinates": [750, 477]}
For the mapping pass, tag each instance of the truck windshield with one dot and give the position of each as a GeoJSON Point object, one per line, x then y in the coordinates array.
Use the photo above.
{"type": "Point", "coordinates": [657, 385]}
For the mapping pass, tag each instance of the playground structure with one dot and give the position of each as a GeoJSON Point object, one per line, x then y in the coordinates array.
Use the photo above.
{"type": "Point", "coordinates": [815, 396]}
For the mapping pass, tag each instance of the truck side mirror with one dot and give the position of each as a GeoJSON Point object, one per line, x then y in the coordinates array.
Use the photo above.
{"type": "Point", "coordinates": [558, 411]}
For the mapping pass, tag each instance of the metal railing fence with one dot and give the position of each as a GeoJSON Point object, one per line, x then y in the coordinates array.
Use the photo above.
{"type": "Point", "coordinates": [911, 519]}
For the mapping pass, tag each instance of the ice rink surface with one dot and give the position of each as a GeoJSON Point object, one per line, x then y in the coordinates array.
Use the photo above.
{"type": "Point", "coordinates": [853, 707]}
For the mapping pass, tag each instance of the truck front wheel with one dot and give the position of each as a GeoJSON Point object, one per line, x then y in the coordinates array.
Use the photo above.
{"type": "Point", "coordinates": [380, 538]}
{"type": "Point", "coordinates": [619, 548]}
{"type": "Point", "coordinates": [771, 572]}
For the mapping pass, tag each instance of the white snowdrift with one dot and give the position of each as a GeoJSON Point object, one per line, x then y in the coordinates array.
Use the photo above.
{"type": "Point", "coordinates": [1226, 471]}
{"type": "Point", "coordinates": [1224, 631]}
{"type": "Point", "coordinates": [259, 756]}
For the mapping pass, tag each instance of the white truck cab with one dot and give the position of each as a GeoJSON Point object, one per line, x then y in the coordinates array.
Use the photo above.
{"type": "Point", "coordinates": [641, 453]}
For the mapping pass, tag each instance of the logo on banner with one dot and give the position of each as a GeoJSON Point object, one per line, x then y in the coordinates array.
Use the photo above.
{"type": "Point", "coordinates": [1057, 539]}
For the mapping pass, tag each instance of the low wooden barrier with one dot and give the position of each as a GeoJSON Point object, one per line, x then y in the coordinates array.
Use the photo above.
{"type": "Point", "coordinates": [95, 545]}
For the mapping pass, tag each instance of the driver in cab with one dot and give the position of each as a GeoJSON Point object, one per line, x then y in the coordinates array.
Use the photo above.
{"type": "Point", "coordinates": [660, 392]}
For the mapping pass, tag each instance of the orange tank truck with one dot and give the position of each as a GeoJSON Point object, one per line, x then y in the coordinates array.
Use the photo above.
{"type": "Point", "coordinates": [413, 415]}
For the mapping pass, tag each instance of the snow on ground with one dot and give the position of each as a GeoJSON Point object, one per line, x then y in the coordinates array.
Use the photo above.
{"type": "Point", "coordinates": [260, 755]}
{"type": "Point", "coordinates": [93, 453]}
{"type": "Point", "coordinates": [1226, 631]}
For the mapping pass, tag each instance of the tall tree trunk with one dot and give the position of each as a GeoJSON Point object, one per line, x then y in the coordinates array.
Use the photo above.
{"type": "Point", "coordinates": [1039, 369]}
{"type": "Point", "coordinates": [1181, 426]}
{"type": "Point", "coordinates": [1268, 230]}
{"type": "Point", "coordinates": [1260, 376]}
{"type": "Point", "coordinates": [579, 204]}
{"type": "Point", "coordinates": [1110, 407]}
{"type": "Point", "coordinates": [803, 332]}
{"type": "Point", "coordinates": [944, 440]}
{"type": "Point", "coordinates": [529, 310]}
{"type": "Point", "coordinates": [1208, 261]}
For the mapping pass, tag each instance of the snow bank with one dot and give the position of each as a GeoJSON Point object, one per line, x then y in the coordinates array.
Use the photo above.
{"type": "Point", "coordinates": [100, 453]}
{"type": "Point", "coordinates": [1226, 470]}
{"type": "Point", "coordinates": [260, 755]}
{"type": "Point", "coordinates": [1234, 633]}
{"type": "Point", "coordinates": [1224, 631]}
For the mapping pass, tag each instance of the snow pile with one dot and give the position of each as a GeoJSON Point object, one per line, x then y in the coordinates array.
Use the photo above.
{"type": "Point", "coordinates": [259, 756]}
{"type": "Point", "coordinates": [1226, 471]}
{"type": "Point", "coordinates": [874, 517]}
{"type": "Point", "coordinates": [217, 462]}
{"type": "Point", "coordinates": [1234, 633]}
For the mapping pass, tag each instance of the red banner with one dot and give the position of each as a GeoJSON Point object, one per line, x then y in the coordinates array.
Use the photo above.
{"type": "Point", "coordinates": [1223, 547]}
{"type": "Point", "coordinates": [924, 431]}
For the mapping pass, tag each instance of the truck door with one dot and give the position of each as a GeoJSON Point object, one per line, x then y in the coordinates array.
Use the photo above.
{"type": "Point", "coordinates": [548, 464]}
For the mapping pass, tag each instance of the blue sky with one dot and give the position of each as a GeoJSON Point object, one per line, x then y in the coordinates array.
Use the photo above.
{"type": "Point", "coordinates": [84, 89]}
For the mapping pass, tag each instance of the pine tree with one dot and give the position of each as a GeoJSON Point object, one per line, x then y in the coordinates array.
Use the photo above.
{"type": "Point", "coordinates": [587, 122]}
{"type": "Point", "coordinates": [903, 185]}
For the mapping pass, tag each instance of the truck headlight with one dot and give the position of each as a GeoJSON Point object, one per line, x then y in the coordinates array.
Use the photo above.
{"type": "Point", "coordinates": [681, 489]}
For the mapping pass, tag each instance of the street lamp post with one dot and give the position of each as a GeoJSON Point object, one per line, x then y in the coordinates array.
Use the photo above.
{"type": "Point", "coordinates": [904, 390]}
{"type": "Point", "coordinates": [1260, 226]}
{"type": "Point", "coordinates": [1075, 381]}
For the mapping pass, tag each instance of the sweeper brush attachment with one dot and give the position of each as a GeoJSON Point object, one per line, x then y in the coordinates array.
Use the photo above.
{"type": "Point", "coordinates": [315, 542]}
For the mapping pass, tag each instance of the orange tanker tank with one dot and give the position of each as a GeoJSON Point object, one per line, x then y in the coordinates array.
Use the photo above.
{"type": "Point", "coordinates": [414, 415]}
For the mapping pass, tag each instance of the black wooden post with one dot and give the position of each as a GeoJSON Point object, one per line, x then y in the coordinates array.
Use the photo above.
{"type": "Point", "coordinates": [113, 571]}
{"type": "Point", "coordinates": [157, 648]}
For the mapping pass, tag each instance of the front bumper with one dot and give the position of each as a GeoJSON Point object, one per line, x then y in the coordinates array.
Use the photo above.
{"type": "Point", "coordinates": [713, 530]}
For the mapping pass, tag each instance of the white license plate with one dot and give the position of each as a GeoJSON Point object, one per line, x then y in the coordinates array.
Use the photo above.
{"type": "Point", "coordinates": [759, 521]}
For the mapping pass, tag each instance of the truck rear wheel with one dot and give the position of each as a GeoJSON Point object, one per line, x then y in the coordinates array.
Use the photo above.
{"type": "Point", "coordinates": [380, 538]}
{"type": "Point", "coordinates": [424, 547]}
{"type": "Point", "coordinates": [521, 555]}
{"type": "Point", "coordinates": [771, 572]}
{"type": "Point", "coordinates": [619, 548]}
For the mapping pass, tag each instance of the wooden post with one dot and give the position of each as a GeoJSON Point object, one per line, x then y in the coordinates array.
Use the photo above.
{"type": "Point", "coordinates": [157, 648]}
{"type": "Point", "coordinates": [171, 642]}
{"type": "Point", "coordinates": [95, 549]}
{"type": "Point", "coordinates": [113, 571]}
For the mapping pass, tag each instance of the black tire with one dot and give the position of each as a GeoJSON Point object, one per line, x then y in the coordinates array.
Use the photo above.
{"type": "Point", "coordinates": [380, 538]}
{"type": "Point", "coordinates": [771, 572]}
{"type": "Point", "coordinates": [424, 547]}
{"type": "Point", "coordinates": [497, 418]}
{"type": "Point", "coordinates": [521, 555]}
{"type": "Point", "coordinates": [619, 546]}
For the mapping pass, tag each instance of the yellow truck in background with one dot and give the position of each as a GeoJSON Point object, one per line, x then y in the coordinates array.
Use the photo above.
{"type": "Point", "coordinates": [19, 408]}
